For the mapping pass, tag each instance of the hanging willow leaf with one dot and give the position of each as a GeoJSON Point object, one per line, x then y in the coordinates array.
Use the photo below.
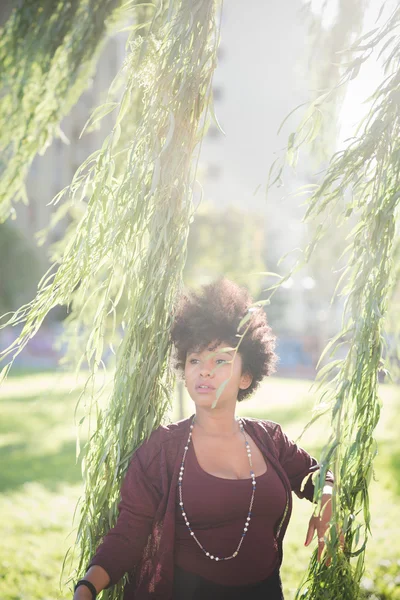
{"type": "Point", "coordinates": [48, 51]}
{"type": "Point", "coordinates": [369, 168]}
{"type": "Point", "coordinates": [136, 208]}
{"type": "Point", "coordinates": [333, 45]}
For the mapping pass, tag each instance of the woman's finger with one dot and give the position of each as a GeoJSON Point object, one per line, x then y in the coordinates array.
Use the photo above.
{"type": "Point", "coordinates": [310, 532]}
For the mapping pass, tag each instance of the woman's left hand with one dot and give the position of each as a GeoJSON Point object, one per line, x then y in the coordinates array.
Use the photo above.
{"type": "Point", "coordinates": [320, 524]}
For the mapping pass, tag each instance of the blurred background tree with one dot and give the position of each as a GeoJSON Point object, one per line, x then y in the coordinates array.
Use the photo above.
{"type": "Point", "coordinates": [20, 268]}
{"type": "Point", "coordinates": [226, 243]}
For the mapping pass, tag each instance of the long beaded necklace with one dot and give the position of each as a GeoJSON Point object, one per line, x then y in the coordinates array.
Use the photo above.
{"type": "Point", "coordinates": [246, 526]}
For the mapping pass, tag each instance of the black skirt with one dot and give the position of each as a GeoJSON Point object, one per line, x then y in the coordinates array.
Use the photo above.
{"type": "Point", "coordinates": [189, 586]}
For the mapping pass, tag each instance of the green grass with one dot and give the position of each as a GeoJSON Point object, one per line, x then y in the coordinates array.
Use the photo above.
{"type": "Point", "coordinates": [40, 483]}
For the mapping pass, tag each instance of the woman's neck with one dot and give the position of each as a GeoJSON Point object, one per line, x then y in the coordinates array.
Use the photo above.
{"type": "Point", "coordinates": [221, 422]}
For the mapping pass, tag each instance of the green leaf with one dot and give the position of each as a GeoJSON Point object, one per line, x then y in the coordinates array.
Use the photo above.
{"type": "Point", "coordinates": [219, 391]}
{"type": "Point", "coordinates": [99, 113]}
{"type": "Point", "coordinates": [4, 373]}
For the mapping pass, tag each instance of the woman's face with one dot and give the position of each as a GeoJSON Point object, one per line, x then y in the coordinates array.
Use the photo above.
{"type": "Point", "coordinates": [215, 367]}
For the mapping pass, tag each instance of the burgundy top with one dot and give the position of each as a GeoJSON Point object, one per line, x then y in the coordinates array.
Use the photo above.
{"type": "Point", "coordinates": [142, 541]}
{"type": "Point", "coordinates": [217, 509]}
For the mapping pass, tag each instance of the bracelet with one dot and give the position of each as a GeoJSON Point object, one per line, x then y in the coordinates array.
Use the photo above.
{"type": "Point", "coordinates": [89, 585]}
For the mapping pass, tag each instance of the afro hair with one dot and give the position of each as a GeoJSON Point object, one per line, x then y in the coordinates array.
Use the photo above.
{"type": "Point", "coordinates": [213, 315]}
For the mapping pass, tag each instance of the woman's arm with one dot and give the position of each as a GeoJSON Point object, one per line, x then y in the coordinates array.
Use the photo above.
{"type": "Point", "coordinates": [98, 577]}
{"type": "Point", "coordinates": [320, 523]}
{"type": "Point", "coordinates": [122, 547]}
{"type": "Point", "coordinates": [298, 465]}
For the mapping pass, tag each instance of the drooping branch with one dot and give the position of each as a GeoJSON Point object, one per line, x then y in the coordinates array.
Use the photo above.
{"type": "Point", "coordinates": [332, 31]}
{"type": "Point", "coordinates": [364, 179]}
{"type": "Point", "coordinates": [131, 239]}
{"type": "Point", "coordinates": [48, 52]}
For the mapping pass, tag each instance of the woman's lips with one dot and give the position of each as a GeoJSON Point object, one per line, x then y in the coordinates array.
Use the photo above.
{"type": "Point", "coordinates": [204, 389]}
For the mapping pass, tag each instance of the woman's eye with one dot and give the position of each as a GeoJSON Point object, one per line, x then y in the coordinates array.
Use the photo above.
{"type": "Point", "coordinates": [193, 361]}
{"type": "Point", "coordinates": [221, 361]}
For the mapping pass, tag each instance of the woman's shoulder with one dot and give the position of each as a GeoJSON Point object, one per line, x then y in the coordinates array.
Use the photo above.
{"type": "Point", "coordinates": [269, 431]}
{"type": "Point", "coordinates": [166, 436]}
{"type": "Point", "coordinates": [169, 432]}
{"type": "Point", "coordinates": [265, 429]}
{"type": "Point", "coordinates": [271, 427]}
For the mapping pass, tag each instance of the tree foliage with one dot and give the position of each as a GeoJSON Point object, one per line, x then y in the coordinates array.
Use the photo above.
{"type": "Point", "coordinates": [364, 180]}
{"type": "Point", "coordinates": [48, 52]}
{"type": "Point", "coordinates": [132, 239]}
{"type": "Point", "coordinates": [331, 39]}
{"type": "Point", "coordinates": [135, 194]}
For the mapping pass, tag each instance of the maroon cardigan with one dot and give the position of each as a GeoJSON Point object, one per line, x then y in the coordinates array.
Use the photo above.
{"type": "Point", "coordinates": [142, 541]}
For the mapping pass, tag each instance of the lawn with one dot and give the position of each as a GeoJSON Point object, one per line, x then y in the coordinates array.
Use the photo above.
{"type": "Point", "coordinates": [40, 484]}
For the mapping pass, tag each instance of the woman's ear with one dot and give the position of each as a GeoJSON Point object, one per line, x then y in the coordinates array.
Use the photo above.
{"type": "Point", "coordinates": [245, 381]}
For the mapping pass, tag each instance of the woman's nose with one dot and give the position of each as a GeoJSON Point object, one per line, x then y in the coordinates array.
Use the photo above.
{"type": "Point", "coordinates": [206, 370]}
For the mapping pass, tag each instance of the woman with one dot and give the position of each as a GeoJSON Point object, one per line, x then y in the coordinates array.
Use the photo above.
{"type": "Point", "coordinates": [206, 501]}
